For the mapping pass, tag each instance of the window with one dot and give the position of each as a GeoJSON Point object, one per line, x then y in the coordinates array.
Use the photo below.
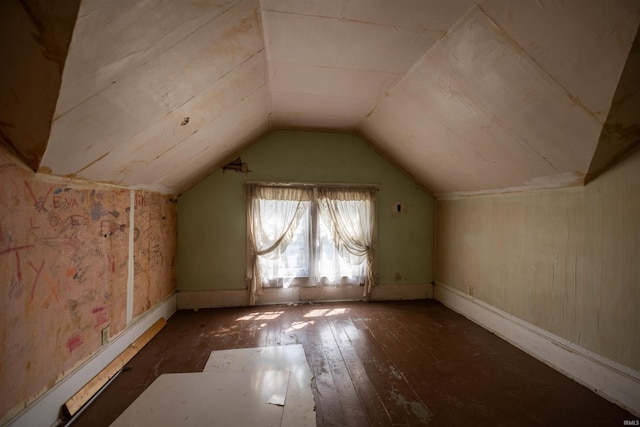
{"type": "Point", "coordinates": [310, 236]}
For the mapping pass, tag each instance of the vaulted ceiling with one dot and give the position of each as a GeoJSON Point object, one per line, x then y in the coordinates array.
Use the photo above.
{"type": "Point", "coordinates": [465, 96]}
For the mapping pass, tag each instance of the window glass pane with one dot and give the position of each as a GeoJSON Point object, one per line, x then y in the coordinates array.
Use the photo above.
{"type": "Point", "coordinates": [282, 268]}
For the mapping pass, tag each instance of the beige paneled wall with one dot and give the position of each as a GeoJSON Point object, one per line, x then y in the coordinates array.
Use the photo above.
{"type": "Point", "coordinates": [565, 260]}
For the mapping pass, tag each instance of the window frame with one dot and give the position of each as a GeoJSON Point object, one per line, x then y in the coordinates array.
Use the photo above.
{"type": "Point", "coordinates": [309, 281]}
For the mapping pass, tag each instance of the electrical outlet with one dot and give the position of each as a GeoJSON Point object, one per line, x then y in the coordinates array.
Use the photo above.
{"type": "Point", "coordinates": [105, 335]}
{"type": "Point", "coordinates": [470, 291]}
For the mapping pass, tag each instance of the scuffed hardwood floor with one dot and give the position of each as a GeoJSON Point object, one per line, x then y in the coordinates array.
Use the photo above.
{"type": "Point", "coordinates": [375, 364]}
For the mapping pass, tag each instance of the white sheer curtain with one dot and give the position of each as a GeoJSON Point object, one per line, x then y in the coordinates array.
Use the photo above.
{"type": "Point", "coordinates": [316, 235]}
{"type": "Point", "coordinates": [332, 268]}
{"type": "Point", "coordinates": [349, 216]}
{"type": "Point", "coordinates": [272, 219]}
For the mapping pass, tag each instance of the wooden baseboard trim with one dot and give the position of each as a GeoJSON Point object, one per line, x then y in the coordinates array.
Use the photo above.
{"type": "Point", "coordinates": [78, 400]}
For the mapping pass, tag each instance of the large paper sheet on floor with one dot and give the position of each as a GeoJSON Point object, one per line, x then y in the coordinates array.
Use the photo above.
{"type": "Point", "coordinates": [299, 404]}
{"type": "Point", "coordinates": [209, 399]}
{"type": "Point", "coordinates": [265, 386]}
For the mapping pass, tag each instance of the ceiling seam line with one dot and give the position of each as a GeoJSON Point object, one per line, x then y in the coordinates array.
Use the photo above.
{"type": "Point", "coordinates": [494, 116]}
{"type": "Point", "coordinates": [416, 64]}
{"type": "Point", "coordinates": [267, 66]}
{"type": "Point", "coordinates": [357, 21]}
{"type": "Point", "coordinates": [333, 67]}
{"type": "Point", "coordinates": [568, 94]}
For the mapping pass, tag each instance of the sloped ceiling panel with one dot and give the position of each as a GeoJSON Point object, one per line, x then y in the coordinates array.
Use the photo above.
{"type": "Point", "coordinates": [467, 96]}
{"type": "Point", "coordinates": [150, 100]}
{"type": "Point", "coordinates": [487, 109]}
{"type": "Point", "coordinates": [621, 131]}
{"type": "Point", "coordinates": [581, 45]}
{"type": "Point", "coordinates": [331, 62]}
{"type": "Point", "coordinates": [110, 40]}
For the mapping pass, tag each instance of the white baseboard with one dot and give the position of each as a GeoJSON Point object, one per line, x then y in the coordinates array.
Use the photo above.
{"type": "Point", "coordinates": [45, 411]}
{"type": "Point", "coordinates": [296, 295]}
{"type": "Point", "coordinates": [613, 381]}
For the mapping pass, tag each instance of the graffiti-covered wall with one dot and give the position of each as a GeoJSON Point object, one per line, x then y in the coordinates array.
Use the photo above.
{"type": "Point", "coordinates": [154, 249]}
{"type": "Point", "coordinates": [64, 273]}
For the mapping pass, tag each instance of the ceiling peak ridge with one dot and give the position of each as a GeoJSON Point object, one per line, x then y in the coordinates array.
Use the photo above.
{"type": "Point", "coordinates": [403, 77]}
{"type": "Point", "coordinates": [355, 21]}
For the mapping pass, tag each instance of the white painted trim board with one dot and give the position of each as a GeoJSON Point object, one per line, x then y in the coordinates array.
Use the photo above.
{"type": "Point", "coordinates": [611, 380]}
{"type": "Point", "coordinates": [295, 295]}
{"type": "Point", "coordinates": [131, 260]}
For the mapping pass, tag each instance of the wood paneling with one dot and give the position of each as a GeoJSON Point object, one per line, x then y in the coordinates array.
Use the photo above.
{"type": "Point", "coordinates": [63, 264]}
{"type": "Point", "coordinates": [64, 270]}
{"type": "Point", "coordinates": [154, 249]}
{"type": "Point", "coordinates": [85, 394]}
{"type": "Point", "coordinates": [564, 260]}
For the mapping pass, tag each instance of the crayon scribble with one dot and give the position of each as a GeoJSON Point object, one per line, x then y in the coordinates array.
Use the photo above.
{"type": "Point", "coordinates": [74, 342]}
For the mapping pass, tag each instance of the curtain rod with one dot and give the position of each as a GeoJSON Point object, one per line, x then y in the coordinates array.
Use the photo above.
{"type": "Point", "coordinates": [313, 184]}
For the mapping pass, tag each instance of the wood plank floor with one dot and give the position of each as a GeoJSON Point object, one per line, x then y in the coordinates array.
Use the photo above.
{"type": "Point", "coordinates": [375, 364]}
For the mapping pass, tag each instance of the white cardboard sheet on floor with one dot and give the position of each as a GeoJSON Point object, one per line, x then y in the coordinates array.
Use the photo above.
{"type": "Point", "coordinates": [299, 407]}
{"type": "Point", "coordinates": [209, 399]}
{"type": "Point", "coordinates": [265, 386]}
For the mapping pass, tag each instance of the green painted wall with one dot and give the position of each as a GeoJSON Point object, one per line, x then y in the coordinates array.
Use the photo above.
{"type": "Point", "coordinates": [212, 214]}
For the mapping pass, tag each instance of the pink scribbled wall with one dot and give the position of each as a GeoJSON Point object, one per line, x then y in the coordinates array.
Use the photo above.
{"type": "Point", "coordinates": [154, 249]}
{"type": "Point", "coordinates": [63, 274]}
